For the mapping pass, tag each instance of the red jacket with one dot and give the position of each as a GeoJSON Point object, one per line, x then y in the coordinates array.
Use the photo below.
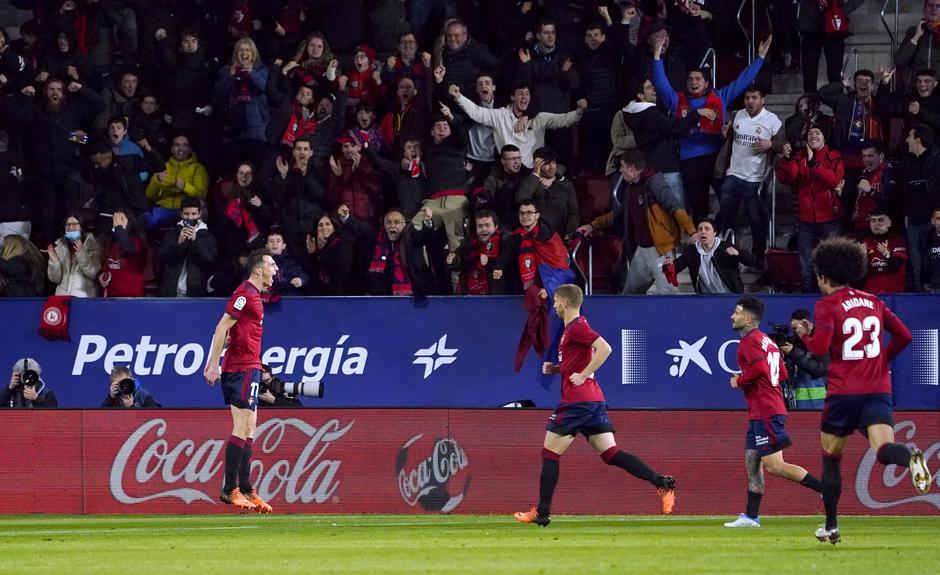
{"type": "Point", "coordinates": [359, 189]}
{"type": "Point", "coordinates": [885, 275]}
{"type": "Point", "coordinates": [126, 270]}
{"type": "Point", "coordinates": [815, 184]}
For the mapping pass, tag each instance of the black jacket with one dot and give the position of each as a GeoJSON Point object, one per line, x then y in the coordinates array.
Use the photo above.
{"type": "Point", "coordinates": [726, 265]}
{"type": "Point", "coordinates": [17, 275]}
{"type": "Point", "coordinates": [557, 204]}
{"type": "Point", "coordinates": [466, 63]}
{"type": "Point", "coordinates": [599, 74]}
{"type": "Point", "coordinates": [331, 267]}
{"type": "Point", "coordinates": [551, 88]}
{"type": "Point", "coordinates": [655, 134]}
{"type": "Point", "coordinates": [411, 190]}
{"type": "Point", "coordinates": [843, 103]}
{"type": "Point", "coordinates": [188, 84]}
{"type": "Point", "coordinates": [14, 398]}
{"type": "Point", "coordinates": [499, 195]}
{"type": "Point", "coordinates": [919, 185]}
{"type": "Point", "coordinates": [300, 199]}
{"type": "Point", "coordinates": [49, 149]}
{"type": "Point", "coordinates": [197, 256]}
{"type": "Point", "coordinates": [427, 277]}
{"type": "Point", "coordinates": [142, 399]}
{"type": "Point", "coordinates": [118, 187]}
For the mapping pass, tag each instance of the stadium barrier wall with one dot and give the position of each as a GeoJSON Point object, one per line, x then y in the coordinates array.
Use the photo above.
{"type": "Point", "coordinates": [423, 461]}
{"type": "Point", "coordinates": [669, 352]}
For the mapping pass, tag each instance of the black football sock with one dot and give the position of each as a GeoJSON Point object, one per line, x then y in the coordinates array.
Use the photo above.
{"type": "Point", "coordinates": [244, 468]}
{"type": "Point", "coordinates": [812, 482]}
{"type": "Point", "coordinates": [753, 504]}
{"type": "Point", "coordinates": [551, 463]}
{"type": "Point", "coordinates": [832, 488]}
{"type": "Point", "coordinates": [233, 458]}
{"type": "Point", "coordinates": [632, 465]}
{"type": "Point", "coordinates": [896, 453]}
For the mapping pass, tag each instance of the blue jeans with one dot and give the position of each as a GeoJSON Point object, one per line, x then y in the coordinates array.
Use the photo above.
{"type": "Point", "coordinates": [734, 190]}
{"type": "Point", "coordinates": [915, 238]}
{"type": "Point", "coordinates": [808, 237]}
{"type": "Point", "coordinates": [668, 191]}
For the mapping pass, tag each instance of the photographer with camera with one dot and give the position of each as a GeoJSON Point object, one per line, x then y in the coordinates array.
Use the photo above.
{"type": "Point", "coordinates": [271, 391]}
{"type": "Point", "coordinates": [27, 389]}
{"type": "Point", "coordinates": [126, 391]}
{"type": "Point", "coordinates": [806, 386]}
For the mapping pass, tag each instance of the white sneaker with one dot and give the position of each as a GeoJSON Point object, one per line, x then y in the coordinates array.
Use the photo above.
{"type": "Point", "coordinates": [744, 521]}
{"type": "Point", "coordinates": [826, 535]}
{"type": "Point", "coordinates": [919, 472]}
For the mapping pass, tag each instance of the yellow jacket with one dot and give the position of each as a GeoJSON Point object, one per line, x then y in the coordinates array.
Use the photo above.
{"type": "Point", "coordinates": [165, 193]}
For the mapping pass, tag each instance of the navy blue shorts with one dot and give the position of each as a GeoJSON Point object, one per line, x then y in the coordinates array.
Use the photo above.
{"type": "Point", "coordinates": [843, 414]}
{"type": "Point", "coordinates": [585, 417]}
{"type": "Point", "coordinates": [767, 435]}
{"type": "Point", "coordinates": [240, 388]}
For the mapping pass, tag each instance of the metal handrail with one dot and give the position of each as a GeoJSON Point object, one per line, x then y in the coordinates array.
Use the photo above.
{"type": "Point", "coordinates": [750, 37]}
{"type": "Point", "coordinates": [845, 61]}
{"type": "Point", "coordinates": [894, 35]}
{"type": "Point", "coordinates": [573, 259]}
{"type": "Point", "coordinates": [714, 66]}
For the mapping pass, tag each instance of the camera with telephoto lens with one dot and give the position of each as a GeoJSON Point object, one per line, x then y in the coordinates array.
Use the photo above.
{"type": "Point", "coordinates": [780, 334]}
{"type": "Point", "coordinates": [306, 387]}
{"type": "Point", "coordinates": [274, 385]}
{"type": "Point", "coordinates": [127, 386]}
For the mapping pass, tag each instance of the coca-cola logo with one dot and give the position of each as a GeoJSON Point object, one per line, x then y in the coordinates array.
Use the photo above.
{"type": "Point", "coordinates": [148, 466]}
{"type": "Point", "coordinates": [895, 486]}
{"type": "Point", "coordinates": [424, 479]}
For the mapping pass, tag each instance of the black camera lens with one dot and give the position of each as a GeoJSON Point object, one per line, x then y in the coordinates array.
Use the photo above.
{"type": "Point", "coordinates": [127, 386]}
{"type": "Point", "coordinates": [29, 377]}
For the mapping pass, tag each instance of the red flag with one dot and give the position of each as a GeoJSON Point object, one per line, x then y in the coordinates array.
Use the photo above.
{"type": "Point", "coordinates": [54, 321]}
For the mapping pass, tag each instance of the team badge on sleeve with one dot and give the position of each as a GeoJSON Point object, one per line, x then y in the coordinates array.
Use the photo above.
{"type": "Point", "coordinates": [240, 303]}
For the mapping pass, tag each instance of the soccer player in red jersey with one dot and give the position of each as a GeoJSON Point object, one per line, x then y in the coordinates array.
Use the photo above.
{"type": "Point", "coordinates": [849, 324]}
{"type": "Point", "coordinates": [583, 409]}
{"type": "Point", "coordinates": [240, 327]}
{"type": "Point", "coordinates": [762, 370]}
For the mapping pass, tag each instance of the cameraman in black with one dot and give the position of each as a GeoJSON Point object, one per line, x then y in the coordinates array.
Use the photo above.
{"type": "Point", "coordinates": [126, 392]}
{"type": "Point", "coordinates": [271, 392]}
{"type": "Point", "coordinates": [27, 389]}
{"type": "Point", "coordinates": [807, 381]}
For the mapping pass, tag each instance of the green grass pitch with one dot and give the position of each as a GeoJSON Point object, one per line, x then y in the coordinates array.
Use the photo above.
{"type": "Point", "coordinates": [575, 545]}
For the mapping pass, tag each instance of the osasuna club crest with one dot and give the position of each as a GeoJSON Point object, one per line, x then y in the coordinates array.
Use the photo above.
{"type": "Point", "coordinates": [52, 316]}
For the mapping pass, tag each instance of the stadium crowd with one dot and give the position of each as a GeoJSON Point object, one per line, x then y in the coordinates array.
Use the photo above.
{"type": "Point", "coordinates": [436, 147]}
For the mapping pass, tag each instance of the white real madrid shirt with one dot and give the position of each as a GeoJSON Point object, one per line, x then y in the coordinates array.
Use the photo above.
{"type": "Point", "coordinates": [746, 162]}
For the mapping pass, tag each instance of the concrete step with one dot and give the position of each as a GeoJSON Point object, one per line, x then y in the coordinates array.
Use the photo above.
{"type": "Point", "coordinates": [872, 8]}
{"type": "Point", "coordinates": [872, 24]}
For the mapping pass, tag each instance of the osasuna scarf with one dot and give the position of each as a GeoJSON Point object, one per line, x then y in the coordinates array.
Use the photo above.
{"type": "Point", "coordinates": [533, 253]}
{"type": "Point", "coordinates": [385, 249]}
{"type": "Point", "coordinates": [478, 281]}
{"type": "Point", "coordinates": [302, 121]}
{"type": "Point", "coordinates": [712, 102]}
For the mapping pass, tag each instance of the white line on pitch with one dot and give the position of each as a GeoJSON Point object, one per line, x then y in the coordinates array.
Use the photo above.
{"type": "Point", "coordinates": [121, 530]}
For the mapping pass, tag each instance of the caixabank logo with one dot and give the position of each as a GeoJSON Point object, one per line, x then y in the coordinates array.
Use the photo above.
{"type": "Point", "coordinates": [429, 471]}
